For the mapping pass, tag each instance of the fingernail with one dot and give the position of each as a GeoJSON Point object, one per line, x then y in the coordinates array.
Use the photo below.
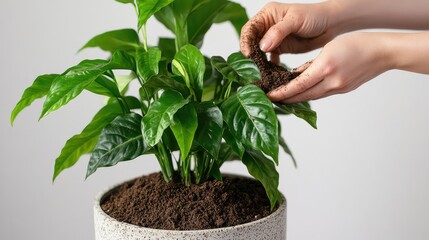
{"type": "Point", "coordinates": [265, 45]}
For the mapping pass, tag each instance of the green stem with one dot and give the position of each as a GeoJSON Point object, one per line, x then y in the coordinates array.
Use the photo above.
{"type": "Point", "coordinates": [144, 34]}
{"type": "Point", "coordinates": [165, 161]}
{"type": "Point", "coordinates": [123, 104]}
{"type": "Point", "coordinates": [186, 171]}
{"type": "Point", "coordinates": [228, 91]}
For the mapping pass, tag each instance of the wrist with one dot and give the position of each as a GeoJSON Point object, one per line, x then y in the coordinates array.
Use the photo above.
{"type": "Point", "coordinates": [347, 16]}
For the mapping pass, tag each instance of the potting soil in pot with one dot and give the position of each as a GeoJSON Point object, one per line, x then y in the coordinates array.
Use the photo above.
{"type": "Point", "coordinates": [151, 202]}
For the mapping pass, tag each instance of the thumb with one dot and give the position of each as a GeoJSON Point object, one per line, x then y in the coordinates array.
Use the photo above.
{"type": "Point", "coordinates": [313, 74]}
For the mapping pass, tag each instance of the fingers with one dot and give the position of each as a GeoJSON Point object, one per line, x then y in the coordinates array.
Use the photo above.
{"type": "Point", "coordinates": [275, 35]}
{"type": "Point", "coordinates": [320, 90]}
{"type": "Point", "coordinates": [252, 31]}
{"type": "Point", "coordinates": [313, 74]}
{"type": "Point", "coordinates": [303, 67]}
{"type": "Point", "coordinates": [268, 20]}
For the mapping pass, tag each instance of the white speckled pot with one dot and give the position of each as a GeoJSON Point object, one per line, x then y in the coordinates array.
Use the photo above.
{"type": "Point", "coordinates": [272, 227]}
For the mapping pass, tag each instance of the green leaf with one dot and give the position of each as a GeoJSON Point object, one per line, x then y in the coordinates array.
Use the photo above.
{"type": "Point", "coordinates": [104, 86]}
{"type": "Point", "coordinates": [233, 143]}
{"type": "Point", "coordinates": [237, 68]}
{"type": "Point", "coordinates": [287, 150]}
{"type": "Point", "coordinates": [121, 140]}
{"type": "Point", "coordinates": [122, 60]}
{"type": "Point", "coordinates": [38, 89]}
{"type": "Point", "coordinates": [123, 39]}
{"type": "Point", "coordinates": [168, 83]}
{"type": "Point", "coordinates": [251, 119]}
{"type": "Point", "coordinates": [146, 8]}
{"type": "Point", "coordinates": [301, 110]}
{"type": "Point", "coordinates": [123, 82]}
{"type": "Point", "coordinates": [285, 147]}
{"type": "Point", "coordinates": [69, 85]}
{"type": "Point", "coordinates": [234, 13]}
{"type": "Point", "coordinates": [200, 21]}
{"type": "Point", "coordinates": [160, 114]}
{"type": "Point", "coordinates": [184, 125]}
{"type": "Point", "coordinates": [176, 16]}
{"type": "Point", "coordinates": [264, 170]}
{"type": "Point", "coordinates": [227, 154]}
{"type": "Point", "coordinates": [167, 47]}
{"type": "Point", "coordinates": [146, 93]}
{"type": "Point", "coordinates": [189, 63]}
{"type": "Point", "coordinates": [85, 142]}
{"type": "Point", "coordinates": [147, 63]}
{"type": "Point", "coordinates": [210, 128]}
{"type": "Point", "coordinates": [126, 1]}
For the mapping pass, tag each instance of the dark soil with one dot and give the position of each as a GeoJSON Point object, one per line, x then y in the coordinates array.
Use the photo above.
{"type": "Point", "coordinates": [273, 75]}
{"type": "Point", "coordinates": [151, 202]}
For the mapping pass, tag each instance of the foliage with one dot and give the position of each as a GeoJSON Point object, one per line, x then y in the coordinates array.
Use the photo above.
{"type": "Point", "coordinates": [193, 112]}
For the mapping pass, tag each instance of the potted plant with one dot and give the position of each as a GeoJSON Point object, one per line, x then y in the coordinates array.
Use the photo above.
{"type": "Point", "coordinates": [192, 112]}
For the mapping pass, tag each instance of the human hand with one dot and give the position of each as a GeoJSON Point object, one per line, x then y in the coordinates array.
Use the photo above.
{"type": "Point", "coordinates": [290, 28]}
{"type": "Point", "coordinates": [344, 64]}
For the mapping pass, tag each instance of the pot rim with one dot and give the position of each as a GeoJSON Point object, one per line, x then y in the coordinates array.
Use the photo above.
{"type": "Point", "coordinates": [101, 195]}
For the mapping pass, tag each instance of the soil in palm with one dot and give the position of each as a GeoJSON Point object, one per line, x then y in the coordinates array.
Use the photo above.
{"type": "Point", "coordinates": [273, 75]}
{"type": "Point", "coordinates": [151, 202]}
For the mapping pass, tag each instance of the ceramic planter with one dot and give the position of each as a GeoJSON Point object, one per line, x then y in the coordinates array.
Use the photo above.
{"type": "Point", "coordinates": [272, 227]}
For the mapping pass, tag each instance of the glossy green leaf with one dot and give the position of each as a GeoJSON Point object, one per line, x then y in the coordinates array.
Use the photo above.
{"type": "Point", "coordinates": [176, 17]}
{"type": "Point", "coordinates": [189, 63]}
{"type": "Point", "coordinates": [264, 170]}
{"type": "Point", "coordinates": [104, 86]}
{"type": "Point", "coordinates": [38, 89]}
{"type": "Point", "coordinates": [251, 119]}
{"type": "Point", "coordinates": [184, 125]}
{"type": "Point", "coordinates": [237, 68]}
{"type": "Point", "coordinates": [227, 154]}
{"type": "Point", "coordinates": [69, 85]}
{"type": "Point", "coordinates": [301, 110]}
{"type": "Point", "coordinates": [233, 143]}
{"type": "Point", "coordinates": [122, 60]}
{"type": "Point", "coordinates": [210, 128]}
{"type": "Point", "coordinates": [169, 140]}
{"type": "Point", "coordinates": [235, 13]}
{"type": "Point", "coordinates": [200, 20]}
{"type": "Point", "coordinates": [146, 93]}
{"type": "Point", "coordinates": [85, 142]}
{"type": "Point", "coordinates": [123, 39]}
{"type": "Point", "coordinates": [147, 63]}
{"type": "Point", "coordinates": [167, 47]}
{"type": "Point", "coordinates": [160, 114]}
{"type": "Point", "coordinates": [147, 8]}
{"type": "Point", "coordinates": [168, 83]}
{"type": "Point", "coordinates": [121, 140]}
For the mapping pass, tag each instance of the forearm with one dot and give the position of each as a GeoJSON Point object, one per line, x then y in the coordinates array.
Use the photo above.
{"type": "Point", "coordinates": [408, 51]}
{"type": "Point", "coordinates": [363, 14]}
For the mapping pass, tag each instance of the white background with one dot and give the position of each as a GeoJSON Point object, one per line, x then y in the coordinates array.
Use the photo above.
{"type": "Point", "coordinates": [362, 175]}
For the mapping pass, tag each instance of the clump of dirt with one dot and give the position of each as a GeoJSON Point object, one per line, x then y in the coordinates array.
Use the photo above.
{"type": "Point", "coordinates": [151, 202]}
{"type": "Point", "coordinates": [273, 75]}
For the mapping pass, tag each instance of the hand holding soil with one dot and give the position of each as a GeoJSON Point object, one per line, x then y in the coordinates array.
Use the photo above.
{"type": "Point", "coordinates": [346, 62]}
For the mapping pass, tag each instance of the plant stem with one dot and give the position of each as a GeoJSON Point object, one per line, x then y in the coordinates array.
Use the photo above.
{"type": "Point", "coordinates": [186, 171]}
{"type": "Point", "coordinates": [124, 105]}
{"type": "Point", "coordinates": [165, 161]}
{"type": "Point", "coordinates": [144, 34]}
